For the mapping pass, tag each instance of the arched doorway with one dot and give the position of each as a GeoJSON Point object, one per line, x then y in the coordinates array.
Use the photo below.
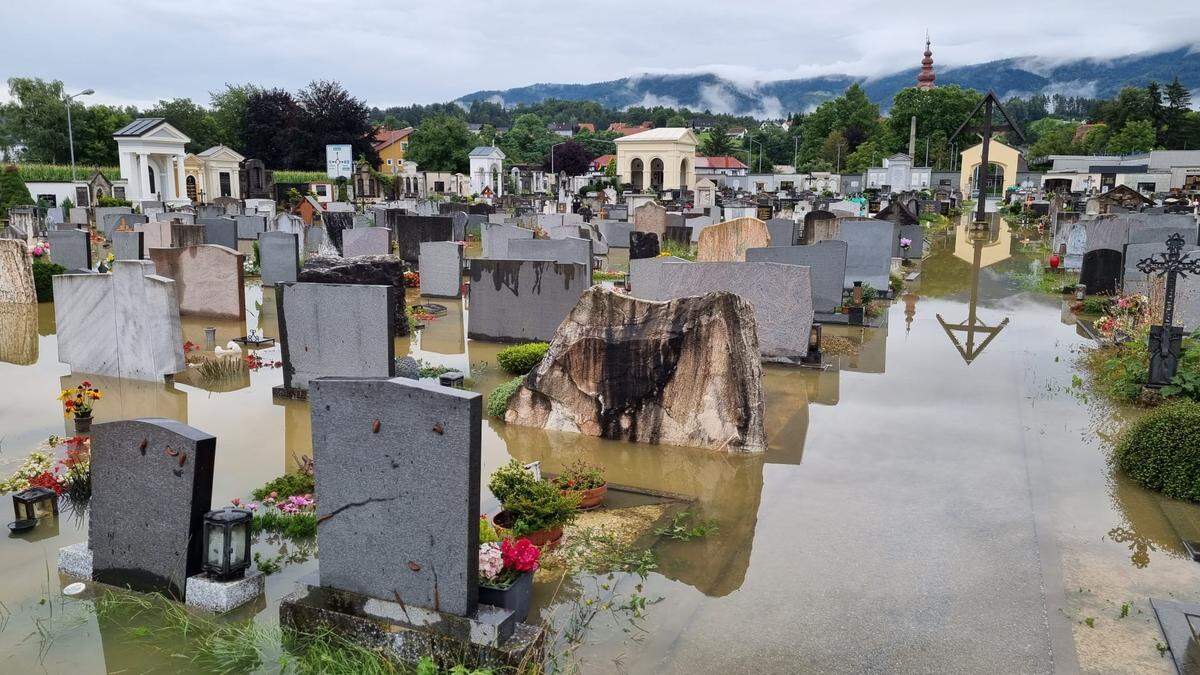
{"type": "Point", "coordinates": [656, 174]}
{"type": "Point", "coordinates": [153, 188]}
{"type": "Point", "coordinates": [683, 174]}
{"type": "Point", "coordinates": [635, 174]}
{"type": "Point", "coordinates": [191, 188]}
{"type": "Point", "coordinates": [995, 180]}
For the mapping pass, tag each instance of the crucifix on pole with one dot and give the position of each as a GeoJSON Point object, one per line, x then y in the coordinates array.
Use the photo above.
{"type": "Point", "coordinates": [1166, 341]}
{"type": "Point", "coordinates": [989, 103]}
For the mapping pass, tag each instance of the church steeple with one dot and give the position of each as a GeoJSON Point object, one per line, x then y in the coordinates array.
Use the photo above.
{"type": "Point", "coordinates": [926, 77]}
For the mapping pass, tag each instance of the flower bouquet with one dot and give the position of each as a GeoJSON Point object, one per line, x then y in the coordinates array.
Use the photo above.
{"type": "Point", "coordinates": [78, 402]}
{"type": "Point", "coordinates": [506, 570]}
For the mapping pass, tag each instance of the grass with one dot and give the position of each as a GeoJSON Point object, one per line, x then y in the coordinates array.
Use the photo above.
{"type": "Point", "coordinates": [598, 551]}
{"type": "Point", "coordinates": [292, 176]}
{"type": "Point", "coordinates": [672, 247]}
{"type": "Point", "coordinates": [225, 366]}
{"type": "Point", "coordinates": [62, 172]}
{"type": "Point", "coordinates": [1050, 283]}
{"type": "Point", "coordinates": [607, 275]}
{"type": "Point", "coordinates": [290, 525]}
{"type": "Point", "coordinates": [684, 526]}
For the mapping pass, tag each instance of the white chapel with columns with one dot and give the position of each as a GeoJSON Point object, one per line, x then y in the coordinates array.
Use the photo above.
{"type": "Point", "coordinates": [151, 154]}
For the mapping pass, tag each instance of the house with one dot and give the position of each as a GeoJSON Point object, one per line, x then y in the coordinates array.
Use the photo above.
{"type": "Point", "coordinates": [712, 167]}
{"type": "Point", "coordinates": [658, 159]}
{"type": "Point", "coordinates": [600, 164]}
{"type": "Point", "coordinates": [628, 129]}
{"type": "Point", "coordinates": [216, 172]}
{"type": "Point", "coordinates": [391, 145]}
{"type": "Point", "coordinates": [151, 154]}
{"type": "Point", "coordinates": [562, 129]}
{"type": "Point", "coordinates": [1148, 172]}
{"type": "Point", "coordinates": [1005, 162]}
{"type": "Point", "coordinates": [585, 126]}
{"type": "Point", "coordinates": [487, 167]}
{"type": "Point", "coordinates": [1123, 197]}
{"type": "Point", "coordinates": [898, 174]}
{"type": "Point", "coordinates": [737, 133]}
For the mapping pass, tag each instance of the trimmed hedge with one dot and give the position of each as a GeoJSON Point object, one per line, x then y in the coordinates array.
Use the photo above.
{"type": "Point", "coordinates": [43, 274]}
{"type": "Point", "coordinates": [520, 359]}
{"type": "Point", "coordinates": [1161, 451]}
{"type": "Point", "coordinates": [497, 401]}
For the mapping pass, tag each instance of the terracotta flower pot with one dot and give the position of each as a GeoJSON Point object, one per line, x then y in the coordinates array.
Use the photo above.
{"type": "Point", "coordinates": [83, 425]}
{"type": "Point", "coordinates": [589, 499]}
{"type": "Point", "coordinates": [543, 539]}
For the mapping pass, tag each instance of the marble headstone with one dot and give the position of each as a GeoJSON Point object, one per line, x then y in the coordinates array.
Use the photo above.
{"type": "Point", "coordinates": [208, 279]}
{"type": "Point", "coordinates": [650, 217]}
{"type": "Point", "coordinates": [279, 256]}
{"type": "Point", "coordinates": [1101, 271]}
{"type": "Point", "coordinates": [826, 261]}
{"type": "Point", "coordinates": [565, 250]}
{"type": "Point", "coordinates": [335, 330]}
{"type": "Point", "coordinates": [248, 227]}
{"type": "Point", "coordinates": [783, 232]}
{"type": "Point", "coordinates": [220, 231]}
{"type": "Point", "coordinates": [410, 231]}
{"type": "Point", "coordinates": [728, 241]}
{"type": "Point", "coordinates": [70, 248]}
{"type": "Point", "coordinates": [616, 232]}
{"type": "Point", "coordinates": [366, 241]}
{"type": "Point", "coordinates": [496, 237]}
{"type": "Point", "coordinates": [128, 245]}
{"type": "Point", "coordinates": [868, 251]}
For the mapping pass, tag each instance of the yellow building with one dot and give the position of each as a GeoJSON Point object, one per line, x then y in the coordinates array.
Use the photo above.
{"type": "Point", "coordinates": [1005, 162]}
{"type": "Point", "coordinates": [391, 145]}
{"type": "Point", "coordinates": [658, 159]}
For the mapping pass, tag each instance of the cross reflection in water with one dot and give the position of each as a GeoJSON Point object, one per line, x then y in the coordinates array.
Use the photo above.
{"type": "Point", "coordinates": [973, 326]}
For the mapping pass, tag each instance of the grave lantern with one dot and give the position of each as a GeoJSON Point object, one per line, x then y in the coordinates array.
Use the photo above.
{"type": "Point", "coordinates": [1080, 292]}
{"type": "Point", "coordinates": [227, 543]}
{"type": "Point", "coordinates": [452, 378]}
{"type": "Point", "coordinates": [34, 503]}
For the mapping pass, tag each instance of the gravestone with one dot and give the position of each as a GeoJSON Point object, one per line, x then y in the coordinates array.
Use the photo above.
{"type": "Point", "coordinates": [78, 215]}
{"type": "Point", "coordinates": [70, 248]}
{"type": "Point", "coordinates": [16, 273]}
{"type": "Point", "coordinates": [279, 256]}
{"type": "Point", "coordinates": [781, 295]}
{"type": "Point", "coordinates": [868, 251]}
{"type": "Point", "coordinates": [220, 231]}
{"type": "Point", "coordinates": [398, 472]}
{"type": "Point", "coordinates": [616, 233]}
{"type": "Point", "coordinates": [55, 215]}
{"type": "Point", "coordinates": [124, 324]}
{"type": "Point", "coordinates": [914, 233]}
{"type": "Point", "coordinates": [522, 300]}
{"type": "Point", "coordinates": [646, 272]}
{"type": "Point", "coordinates": [335, 224]}
{"type": "Point", "coordinates": [680, 235]}
{"type": "Point", "coordinates": [128, 245]}
{"type": "Point", "coordinates": [314, 238]}
{"type": "Point", "coordinates": [384, 270]}
{"type": "Point", "coordinates": [339, 330]}
{"type": "Point", "coordinates": [458, 222]}
{"type": "Point", "coordinates": [567, 250]}
{"type": "Point", "coordinates": [410, 231]}
{"type": "Point", "coordinates": [249, 227]}
{"type": "Point", "coordinates": [563, 232]}
{"type": "Point", "coordinates": [1154, 234]}
{"type": "Point", "coordinates": [826, 261]}
{"type": "Point", "coordinates": [819, 225]}
{"type": "Point", "coordinates": [209, 211]}
{"type": "Point", "coordinates": [151, 486]}
{"type": "Point", "coordinates": [783, 232]}
{"type": "Point", "coordinates": [286, 222]}
{"type": "Point", "coordinates": [441, 269]}
{"type": "Point", "coordinates": [642, 245]}
{"type": "Point", "coordinates": [650, 217]}
{"type": "Point", "coordinates": [208, 279]}
{"type": "Point", "coordinates": [698, 225]}
{"type": "Point", "coordinates": [728, 241]}
{"type": "Point", "coordinates": [1107, 233]}
{"type": "Point", "coordinates": [366, 241]}
{"type": "Point", "coordinates": [183, 234]}
{"type": "Point", "coordinates": [1136, 281]}
{"type": "Point", "coordinates": [1101, 271]}
{"type": "Point", "coordinates": [109, 218]}
{"type": "Point", "coordinates": [170, 235]}
{"type": "Point", "coordinates": [1076, 246]}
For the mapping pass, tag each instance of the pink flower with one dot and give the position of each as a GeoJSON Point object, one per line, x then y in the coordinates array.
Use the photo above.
{"type": "Point", "coordinates": [521, 555]}
{"type": "Point", "coordinates": [236, 501]}
{"type": "Point", "coordinates": [253, 506]}
{"type": "Point", "coordinates": [288, 507]}
{"type": "Point", "coordinates": [491, 561]}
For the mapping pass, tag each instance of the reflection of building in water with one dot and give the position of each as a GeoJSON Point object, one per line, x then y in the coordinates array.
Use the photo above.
{"type": "Point", "coordinates": [267, 312]}
{"type": "Point", "coordinates": [297, 433]}
{"type": "Point", "coordinates": [910, 309]}
{"type": "Point", "coordinates": [727, 487]}
{"type": "Point", "coordinates": [129, 399]}
{"type": "Point", "coordinates": [444, 334]}
{"type": "Point", "coordinates": [19, 333]}
{"type": "Point", "coordinates": [996, 243]}
{"type": "Point", "coordinates": [974, 327]}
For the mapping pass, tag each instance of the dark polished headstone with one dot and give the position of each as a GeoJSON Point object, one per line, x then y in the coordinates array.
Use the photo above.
{"type": "Point", "coordinates": [643, 245]}
{"type": "Point", "coordinates": [1101, 271]}
{"type": "Point", "coordinates": [409, 231]}
{"type": "Point", "coordinates": [151, 486]}
{"type": "Point", "coordinates": [1166, 348]}
{"type": "Point", "coordinates": [335, 222]}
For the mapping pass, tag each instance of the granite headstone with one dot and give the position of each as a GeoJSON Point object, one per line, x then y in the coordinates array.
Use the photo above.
{"type": "Point", "coordinates": [522, 300]}
{"type": "Point", "coordinates": [335, 330]}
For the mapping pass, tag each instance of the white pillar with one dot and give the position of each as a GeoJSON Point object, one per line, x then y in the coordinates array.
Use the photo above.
{"type": "Point", "coordinates": [168, 179]}
{"type": "Point", "coordinates": [180, 178]}
{"type": "Point", "coordinates": [143, 177]}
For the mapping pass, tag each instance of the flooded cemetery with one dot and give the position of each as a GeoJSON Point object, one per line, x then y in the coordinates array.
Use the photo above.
{"type": "Point", "coordinates": [827, 443]}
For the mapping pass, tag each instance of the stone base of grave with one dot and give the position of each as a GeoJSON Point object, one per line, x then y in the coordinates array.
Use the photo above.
{"type": "Point", "coordinates": [211, 595]}
{"type": "Point", "coordinates": [1176, 619]}
{"type": "Point", "coordinates": [76, 560]}
{"type": "Point", "coordinates": [492, 639]}
{"type": "Point", "coordinates": [294, 393]}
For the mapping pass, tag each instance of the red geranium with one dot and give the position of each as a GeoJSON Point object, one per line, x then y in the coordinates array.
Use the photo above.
{"type": "Point", "coordinates": [47, 480]}
{"type": "Point", "coordinates": [520, 555]}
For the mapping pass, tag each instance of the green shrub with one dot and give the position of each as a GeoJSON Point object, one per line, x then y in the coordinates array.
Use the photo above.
{"type": "Point", "coordinates": [104, 200]}
{"type": "Point", "coordinates": [43, 273]}
{"type": "Point", "coordinates": [12, 190]}
{"type": "Point", "coordinates": [1161, 451]}
{"type": "Point", "coordinates": [497, 401]}
{"type": "Point", "coordinates": [520, 359]}
{"type": "Point", "coordinates": [541, 506]}
{"type": "Point", "coordinates": [1097, 304]}
{"type": "Point", "coordinates": [287, 485]}
{"type": "Point", "coordinates": [510, 480]}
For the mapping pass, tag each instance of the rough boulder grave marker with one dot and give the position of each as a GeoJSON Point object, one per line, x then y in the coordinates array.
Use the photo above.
{"type": "Point", "coordinates": [522, 300]}
{"type": "Point", "coordinates": [280, 257]}
{"type": "Point", "coordinates": [334, 330]}
{"type": "Point", "coordinates": [151, 486]}
{"type": "Point", "coordinates": [208, 279]}
{"type": "Point", "coordinates": [698, 383]}
{"type": "Point", "coordinates": [441, 269]}
{"type": "Point", "coordinates": [70, 248]}
{"type": "Point", "coordinates": [728, 241]}
{"type": "Point", "coordinates": [16, 273]}
{"type": "Point", "coordinates": [124, 324]}
{"type": "Point", "coordinates": [380, 270]}
{"type": "Point", "coordinates": [366, 241]}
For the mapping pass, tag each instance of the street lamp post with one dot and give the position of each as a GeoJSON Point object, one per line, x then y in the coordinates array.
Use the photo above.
{"type": "Point", "coordinates": [70, 131]}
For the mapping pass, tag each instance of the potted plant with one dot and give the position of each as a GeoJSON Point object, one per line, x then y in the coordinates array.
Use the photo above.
{"type": "Point", "coordinates": [506, 570]}
{"type": "Point", "coordinates": [532, 509]}
{"type": "Point", "coordinates": [587, 480]}
{"type": "Point", "coordinates": [77, 402]}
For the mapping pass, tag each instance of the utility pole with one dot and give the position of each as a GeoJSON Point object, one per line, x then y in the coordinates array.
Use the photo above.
{"type": "Point", "coordinates": [71, 132]}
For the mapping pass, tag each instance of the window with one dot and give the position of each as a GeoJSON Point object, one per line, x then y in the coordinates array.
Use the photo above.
{"type": "Point", "coordinates": [81, 194]}
{"type": "Point", "coordinates": [322, 191]}
{"type": "Point", "coordinates": [192, 193]}
{"type": "Point", "coordinates": [1145, 187]}
{"type": "Point", "coordinates": [389, 162]}
{"type": "Point", "coordinates": [439, 186]}
{"type": "Point", "coordinates": [153, 187]}
{"type": "Point", "coordinates": [1191, 181]}
{"type": "Point", "coordinates": [225, 190]}
{"type": "Point", "coordinates": [119, 192]}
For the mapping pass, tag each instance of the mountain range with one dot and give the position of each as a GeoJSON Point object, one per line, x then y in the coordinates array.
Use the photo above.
{"type": "Point", "coordinates": [1022, 76]}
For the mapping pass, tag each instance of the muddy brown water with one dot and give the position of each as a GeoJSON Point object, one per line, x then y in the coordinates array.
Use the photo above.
{"type": "Point", "coordinates": [917, 509]}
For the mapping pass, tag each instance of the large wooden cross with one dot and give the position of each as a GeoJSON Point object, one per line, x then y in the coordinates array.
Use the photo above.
{"type": "Point", "coordinates": [989, 103]}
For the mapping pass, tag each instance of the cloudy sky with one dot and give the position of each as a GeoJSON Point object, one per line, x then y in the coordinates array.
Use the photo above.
{"type": "Point", "coordinates": [139, 51]}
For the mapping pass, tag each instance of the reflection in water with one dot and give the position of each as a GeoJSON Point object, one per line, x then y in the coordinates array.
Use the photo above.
{"type": "Point", "coordinates": [126, 399]}
{"type": "Point", "coordinates": [978, 240]}
{"type": "Point", "coordinates": [297, 433]}
{"type": "Point", "coordinates": [19, 333]}
{"type": "Point", "coordinates": [445, 334]}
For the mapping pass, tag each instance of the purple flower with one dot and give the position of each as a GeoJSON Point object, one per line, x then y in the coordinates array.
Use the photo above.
{"type": "Point", "coordinates": [905, 242]}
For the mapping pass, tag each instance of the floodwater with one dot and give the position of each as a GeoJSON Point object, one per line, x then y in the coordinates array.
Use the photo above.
{"type": "Point", "coordinates": [939, 501]}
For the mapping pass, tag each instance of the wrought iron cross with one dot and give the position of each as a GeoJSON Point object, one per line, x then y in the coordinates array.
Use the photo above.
{"type": "Point", "coordinates": [1172, 264]}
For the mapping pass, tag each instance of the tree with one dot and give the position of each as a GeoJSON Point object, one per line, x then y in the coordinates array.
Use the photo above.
{"type": "Point", "coordinates": [487, 135]}
{"type": "Point", "coordinates": [272, 124]}
{"type": "Point", "coordinates": [717, 143]}
{"type": "Point", "coordinates": [1131, 103]}
{"type": "Point", "coordinates": [39, 119]}
{"type": "Point", "coordinates": [1136, 136]}
{"type": "Point", "coordinates": [12, 190]}
{"type": "Point", "coordinates": [1054, 137]}
{"type": "Point", "coordinates": [571, 157]}
{"type": "Point", "coordinates": [441, 144]}
{"type": "Point", "coordinates": [852, 116]}
{"type": "Point", "coordinates": [229, 113]}
{"type": "Point", "coordinates": [939, 109]}
{"type": "Point", "coordinates": [190, 118]}
{"type": "Point", "coordinates": [833, 151]}
{"type": "Point", "coordinates": [677, 121]}
{"type": "Point", "coordinates": [1178, 132]}
{"type": "Point", "coordinates": [599, 143]}
{"type": "Point", "coordinates": [529, 141]}
{"type": "Point", "coordinates": [865, 156]}
{"type": "Point", "coordinates": [332, 115]}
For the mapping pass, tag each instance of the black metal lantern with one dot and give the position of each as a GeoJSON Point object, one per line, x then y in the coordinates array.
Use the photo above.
{"type": "Point", "coordinates": [33, 503]}
{"type": "Point", "coordinates": [227, 543]}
